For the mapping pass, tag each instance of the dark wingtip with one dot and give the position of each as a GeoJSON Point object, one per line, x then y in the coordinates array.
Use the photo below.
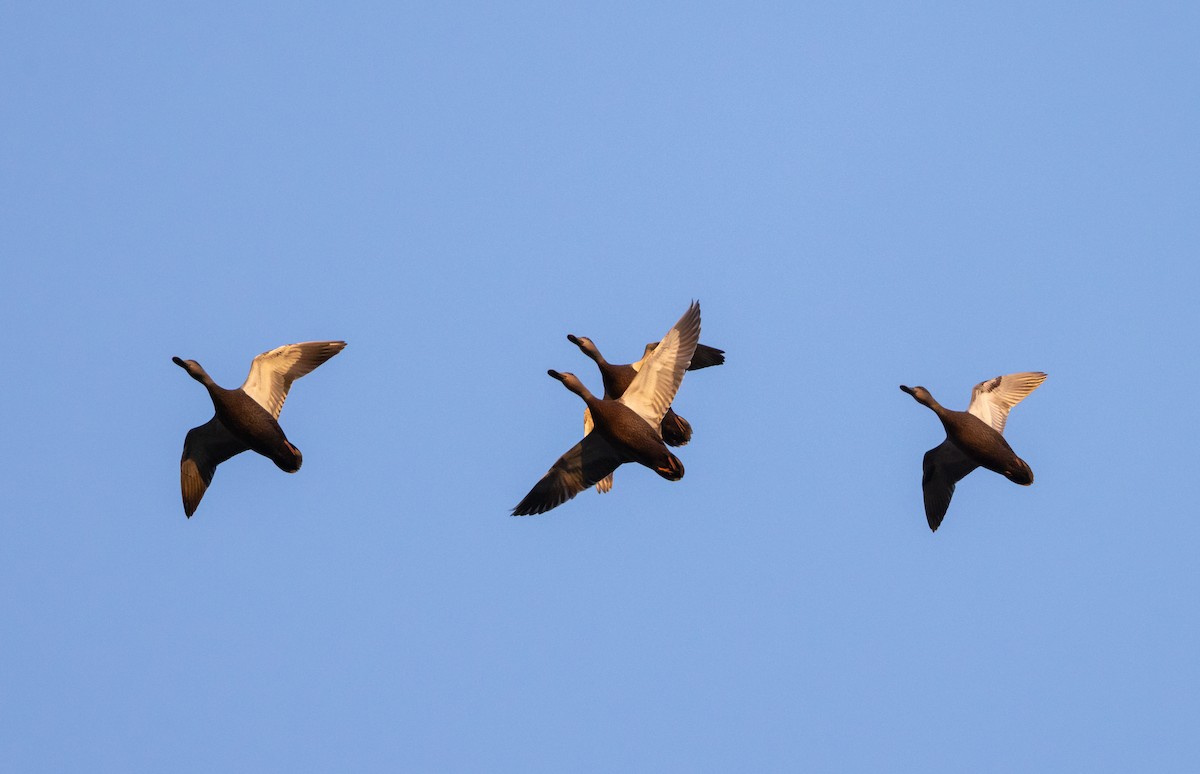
{"type": "Point", "coordinates": [529, 507]}
{"type": "Point", "coordinates": [706, 357]}
{"type": "Point", "coordinates": [932, 516]}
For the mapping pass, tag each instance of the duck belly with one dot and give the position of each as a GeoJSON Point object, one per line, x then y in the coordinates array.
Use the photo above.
{"type": "Point", "coordinates": [988, 448]}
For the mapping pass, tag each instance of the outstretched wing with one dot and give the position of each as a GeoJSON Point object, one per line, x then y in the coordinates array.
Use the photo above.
{"type": "Point", "coordinates": [204, 448]}
{"type": "Point", "coordinates": [272, 373]}
{"type": "Point", "coordinates": [992, 400]}
{"type": "Point", "coordinates": [652, 390]}
{"type": "Point", "coordinates": [943, 467]}
{"type": "Point", "coordinates": [587, 462]}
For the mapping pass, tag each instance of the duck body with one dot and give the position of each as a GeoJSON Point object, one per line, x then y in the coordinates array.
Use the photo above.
{"type": "Point", "coordinates": [676, 431]}
{"type": "Point", "coordinates": [632, 438]}
{"type": "Point", "coordinates": [246, 420]}
{"type": "Point", "coordinates": [252, 425]}
{"type": "Point", "coordinates": [984, 446]}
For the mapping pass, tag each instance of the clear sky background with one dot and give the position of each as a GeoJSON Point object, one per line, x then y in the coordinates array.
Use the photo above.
{"type": "Point", "coordinates": [861, 195]}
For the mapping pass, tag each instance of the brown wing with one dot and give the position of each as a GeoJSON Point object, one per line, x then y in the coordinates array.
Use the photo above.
{"type": "Point", "coordinates": [943, 467]}
{"type": "Point", "coordinates": [587, 463]}
{"type": "Point", "coordinates": [204, 448]}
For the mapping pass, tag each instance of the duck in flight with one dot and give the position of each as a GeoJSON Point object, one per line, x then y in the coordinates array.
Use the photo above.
{"type": "Point", "coordinates": [625, 429]}
{"type": "Point", "coordinates": [246, 417]}
{"type": "Point", "coordinates": [676, 431]}
{"type": "Point", "coordinates": [973, 439]}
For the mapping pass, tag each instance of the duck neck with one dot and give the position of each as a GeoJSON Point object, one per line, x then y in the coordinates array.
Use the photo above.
{"type": "Point", "coordinates": [200, 375]}
{"type": "Point", "coordinates": [576, 386]}
{"type": "Point", "coordinates": [587, 395]}
{"type": "Point", "coordinates": [936, 407]}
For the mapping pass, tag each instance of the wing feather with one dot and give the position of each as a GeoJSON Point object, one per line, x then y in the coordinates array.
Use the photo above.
{"type": "Point", "coordinates": [585, 464]}
{"type": "Point", "coordinates": [204, 448]}
{"type": "Point", "coordinates": [272, 373]}
{"type": "Point", "coordinates": [652, 390]}
{"type": "Point", "coordinates": [993, 399]}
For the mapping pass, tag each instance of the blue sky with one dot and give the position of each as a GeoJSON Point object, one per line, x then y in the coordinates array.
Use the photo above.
{"type": "Point", "coordinates": [861, 196]}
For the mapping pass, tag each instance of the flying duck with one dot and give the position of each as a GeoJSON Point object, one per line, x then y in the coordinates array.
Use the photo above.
{"type": "Point", "coordinates": [625, 429]}
{"type": "Point", "coordinates": [246, 417]}
{"type": "Point", "coordinates": [973, 439]}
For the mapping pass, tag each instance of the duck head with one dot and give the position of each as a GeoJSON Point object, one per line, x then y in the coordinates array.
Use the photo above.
{"type": "Point", "coordinates": [192, 367]}
{"type": "Point", "coordinates": [571, 382]}
{"type": "Point", "coordinates": [586, 346]}
{"type": "Point", "coordinates": [920, 394]}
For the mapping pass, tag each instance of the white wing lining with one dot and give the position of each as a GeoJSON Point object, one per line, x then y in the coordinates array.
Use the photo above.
{"type": "Point", "coordinates": [272, 373]}
{"type": "Point", "coordinates": [991, 400]}
{"type": "Point", "coordinates": [661, 371]}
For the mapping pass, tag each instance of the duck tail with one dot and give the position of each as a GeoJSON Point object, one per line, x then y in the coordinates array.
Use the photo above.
{"type": "Point", "coordinates": [1020, 473]}
{"type": "Point", "coordinates": [673, 470]}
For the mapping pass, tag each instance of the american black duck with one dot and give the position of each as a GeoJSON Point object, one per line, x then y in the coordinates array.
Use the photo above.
{"type": "Point", "coordinates": [247, 417]}
{"type": "Point", "coordinates": [973, 439]}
